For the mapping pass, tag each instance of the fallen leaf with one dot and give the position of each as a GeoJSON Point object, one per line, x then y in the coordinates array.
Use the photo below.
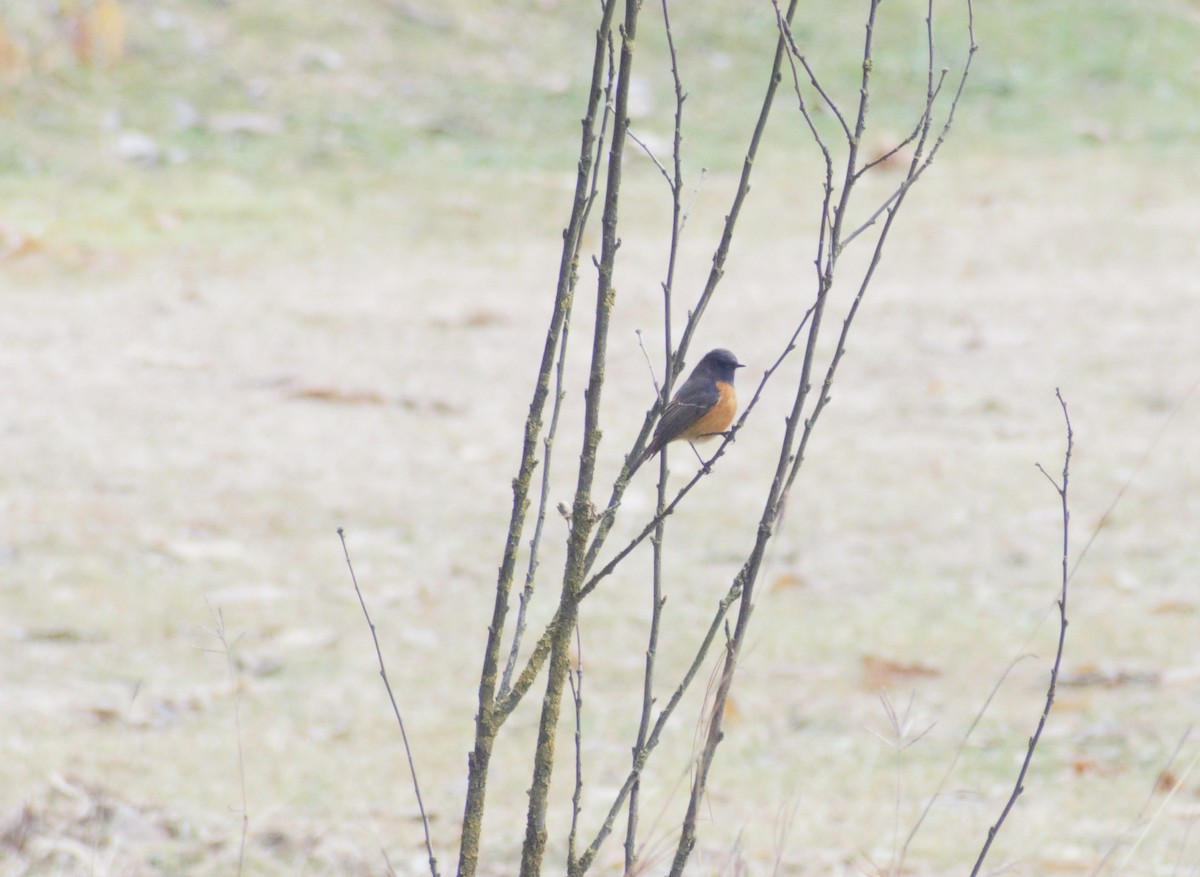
{"type": "Point", "coordinates": [482, 317]}
{"type": "Point", "coordinates": [1166, 782]}
{"type": "Point", "coordinates": [1174, 607]}
{"type": "Point", "coordinates": [338, 395]}
{"type": "Point", "coordinates": [1108, 678]}
{"type": "Point", "coordinates": [786, 580]}
{"type": "Point", "coordinates": [881, 672]}
{"type": "Point", "coordinates": [105, 714]}
{"type": "Point", "coordinates": [14, 243]}
{"type": "Point", "coordinates": [478, 318]}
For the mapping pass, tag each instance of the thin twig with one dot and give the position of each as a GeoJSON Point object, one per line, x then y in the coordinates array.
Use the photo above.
{"type": "Point", "coordinates": [784, 820]}
{"type": "Point", "coordinates": [743, 190]}
{"type": "Point", "coordinates": [833, 218]}
{"type": "Point", "coordinates": [1183, 843]}
{"type": "Point", "coordinates": [785, 31]}
{"type": "Point", "coordinates": [654, 158]}
{"type": "Point", "coordinates": [575, 680]}
{"type": "Point", "coordinates": [649, 364]}
{"type": "Point", "coordinates": [412, 765]}
{"type": "Point", "coordinates": [657, 600]}
{"type": "Point", "coordinates": [1019, 786]}
{"type": "Point", "coordinates": [921, 161]}
{"type": "Point", "coordinates": [227, 651]}
{"type": "Point", "coordinates": [837, 243]}
{"type": "Point", "coordinates": [785, 28]}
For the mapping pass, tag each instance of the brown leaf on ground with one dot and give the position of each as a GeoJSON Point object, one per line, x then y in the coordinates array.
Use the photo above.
{"type": "Point", "coordinates": [1083, 765]}
{"type": "Point", "coordinates": [881, 672]}
{"type": "Point", "coordinates": [1094, 676]}
{"type": "Point", "coordinates": [786, 580]}
{"type": "Point", "coordinates": [477, 318]}
{"type": "Point", "coordinates": [1174, 607]}
{"type": "Point", "coordinates": [339, 395]}
{"type": "Point", "coordinates": [1166, 782]}
{"type": "Point", "coordinates": [15, 243]}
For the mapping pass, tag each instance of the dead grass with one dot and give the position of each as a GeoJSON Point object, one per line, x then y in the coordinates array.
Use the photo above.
{"type": "Point", "coordinates": [180, 437]}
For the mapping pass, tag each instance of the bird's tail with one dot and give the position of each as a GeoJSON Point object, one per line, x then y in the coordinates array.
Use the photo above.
{"type": "Point", "coordinates": [651, 449]}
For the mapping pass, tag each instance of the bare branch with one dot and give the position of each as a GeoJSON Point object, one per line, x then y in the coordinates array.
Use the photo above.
{"type": "Point", "coordinates": [559, 395]}
{"type": "Point", "coordinates": [921, 162]}
{"type": "Point", "coordinates": [575, 680]}
{"type": "Point", "coordinates": [786, 30]}
{"type": "Point", "coordinates": [487, 723]}
{"type": "Point", "coordinates": [654, 158]}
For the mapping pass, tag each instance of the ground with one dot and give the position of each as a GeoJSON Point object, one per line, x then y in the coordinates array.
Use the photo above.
{"type": "Point", "coordinates": [206, 375]}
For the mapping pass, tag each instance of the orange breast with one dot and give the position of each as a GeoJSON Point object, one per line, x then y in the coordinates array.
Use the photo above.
{"type": "Point", "coordinates": [717, 419]}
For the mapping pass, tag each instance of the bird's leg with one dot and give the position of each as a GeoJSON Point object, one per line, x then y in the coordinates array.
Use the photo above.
{"type": "Point", "coordinates": [705, 465]}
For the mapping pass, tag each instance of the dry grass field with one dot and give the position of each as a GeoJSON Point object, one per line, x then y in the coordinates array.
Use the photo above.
{"type": "Point", "coordinates": [322, 307]}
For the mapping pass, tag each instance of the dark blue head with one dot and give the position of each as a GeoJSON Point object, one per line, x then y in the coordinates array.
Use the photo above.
{"type": "Point", "coordinates": [719, 363]}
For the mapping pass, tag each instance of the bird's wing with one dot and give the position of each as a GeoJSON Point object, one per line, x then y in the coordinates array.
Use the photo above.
{"type": "Point", "coordinates": [690, 404]}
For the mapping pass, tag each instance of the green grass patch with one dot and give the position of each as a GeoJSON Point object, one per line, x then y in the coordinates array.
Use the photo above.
{"type": "Point", "coordinates": [296, 101]}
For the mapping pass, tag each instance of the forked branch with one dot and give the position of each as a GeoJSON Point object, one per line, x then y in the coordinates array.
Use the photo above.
{"type": "Point", "coordinates": [1061, 488]}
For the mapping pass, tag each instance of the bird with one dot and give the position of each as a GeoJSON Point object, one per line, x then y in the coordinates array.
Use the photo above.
{"type": "Point", "coordinates": [700, 409]}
